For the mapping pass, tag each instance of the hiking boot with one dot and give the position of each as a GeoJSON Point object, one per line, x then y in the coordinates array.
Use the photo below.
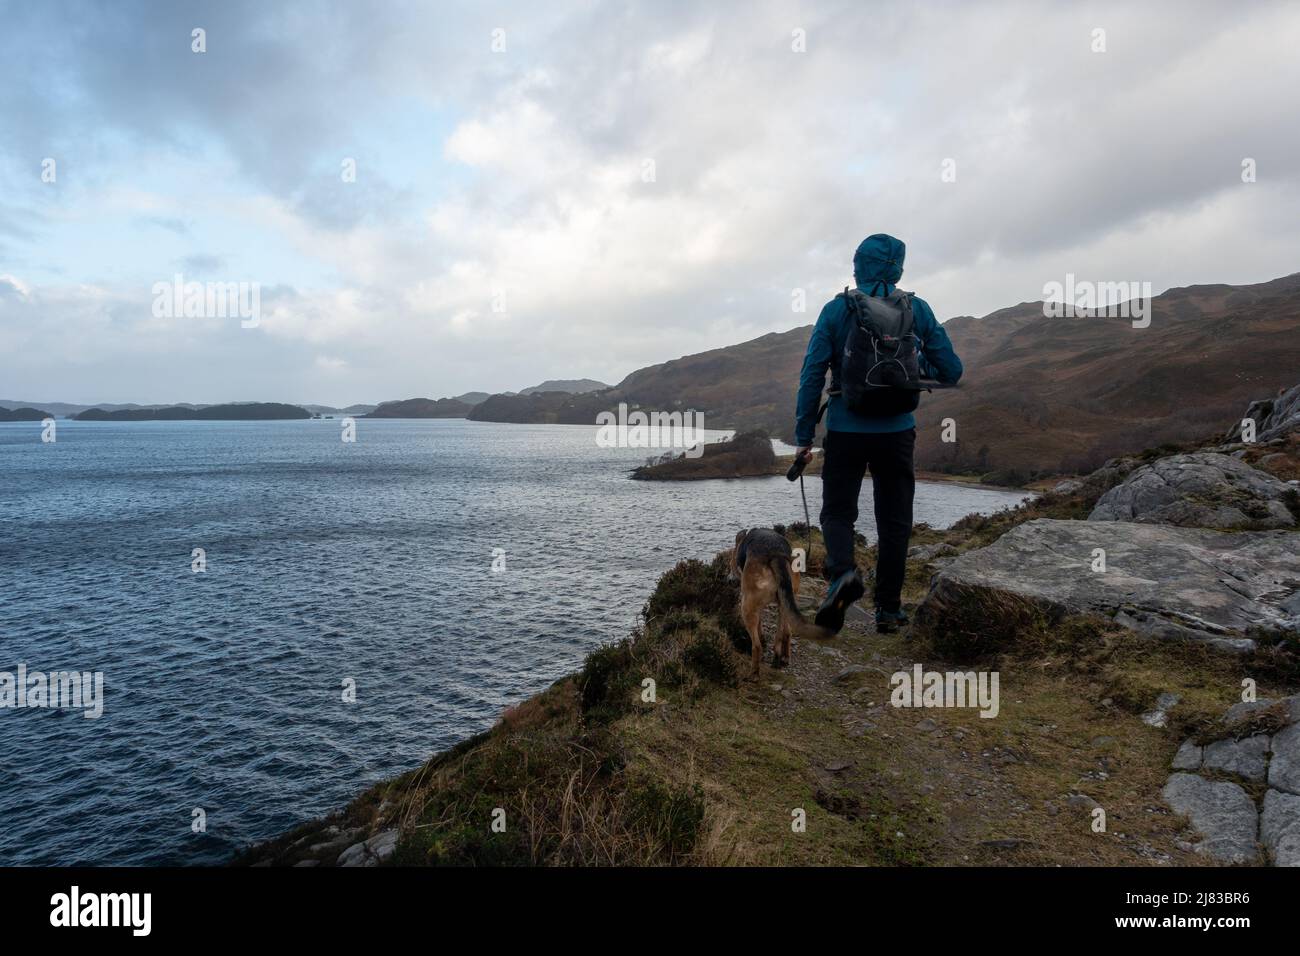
{"type": "Point", "coordinates": [845, 589]}
{"type": "Point", "coordinates": [887, 622]}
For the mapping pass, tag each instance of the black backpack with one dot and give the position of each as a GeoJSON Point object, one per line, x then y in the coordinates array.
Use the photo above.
{"type": "Point", "coordinates": [879, 374]}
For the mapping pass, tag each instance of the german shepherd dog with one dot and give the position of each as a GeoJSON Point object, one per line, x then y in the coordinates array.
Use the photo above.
{"type": "Point", "coordinates": [762, 562]}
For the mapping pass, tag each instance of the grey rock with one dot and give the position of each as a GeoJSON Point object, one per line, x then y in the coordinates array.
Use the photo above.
{"type": "Point", "coordinates": [382, 845]}
{"type": "Point", "coordinates": [1284, 768]}
{"type": "Point", "coordinates": [354, 855]}
{"type": "Point", "coordinates": [338, 843]}
{"type": "Point", "coordinates": [1110, 474]}
{"type": "Point", "coordinates": [1246, 758]}
{"type": "Point", "coordinates": [1241, 711]}
{"type": "Point", "coordinates": [1068, 486]}
{"type": "Point", "coordinates": [1159, 715]}
{"type": "Point", "coordinates": [1161, 581]}
{"type": "Point", "coordinates": [1201, 490]}
{"type": "Point", "coordinates": [1274, 417]}
{"type": "Point", "coordinates": [1081, 801]}
{"type": "Point", "coordinates": [1188, 757]}
{"type": "Point", "coordinates": [371, 852]}
{"type": "Point", "coordinates": [1293, 707]}
{"type": "Point", "coordinates": [306, 863]}
{"type": "Point", "coordinates": [1240, 715]}
{"type": "Point", "coordinates": [928, 552]}
{"type": "Point", "coordinates": [1221, 812]}
{"type": "Point", "coordinates": [1279, 827]}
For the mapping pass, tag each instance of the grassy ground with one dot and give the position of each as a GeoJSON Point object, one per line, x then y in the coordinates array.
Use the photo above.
{"type": "Point", "coordinates": [721, 770]}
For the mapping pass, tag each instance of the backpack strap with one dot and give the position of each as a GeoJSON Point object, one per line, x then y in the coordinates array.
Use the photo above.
{"type": "Point", "coordinates": [853, 304]}
{"type": "Point", "coordinates": [909, 319]}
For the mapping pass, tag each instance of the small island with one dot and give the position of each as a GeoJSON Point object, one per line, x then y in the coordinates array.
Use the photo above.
{"type": "Point", "coordinates": [250, 411]}
{"type": "Point", "coordinates": [750, 455]}
{"type": "Point", "coordinates": [23, 415]}
{"type": "Point", "coordinates": [746, 455]}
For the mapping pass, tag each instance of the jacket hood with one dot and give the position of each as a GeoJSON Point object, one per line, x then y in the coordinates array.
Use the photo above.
{"type": "Point", "coordinates": [879, 259]}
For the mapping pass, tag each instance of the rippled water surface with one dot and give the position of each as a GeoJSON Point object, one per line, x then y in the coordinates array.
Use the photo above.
{"type": "Point", "coordinates": [325, 561]}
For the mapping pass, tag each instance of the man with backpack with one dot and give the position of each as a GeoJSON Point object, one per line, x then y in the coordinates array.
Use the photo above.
{"type": "Point", "coordinates": [880, 344]}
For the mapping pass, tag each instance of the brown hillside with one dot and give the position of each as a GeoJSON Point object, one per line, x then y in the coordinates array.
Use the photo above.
{"type": "Point", "coordinates": [1066, 394]}
{"type": "Point", "coordinates": [1039, 395]}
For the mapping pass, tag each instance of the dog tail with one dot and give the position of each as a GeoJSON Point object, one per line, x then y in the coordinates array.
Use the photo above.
{"type": "Point", "coordinates": [790, 612]}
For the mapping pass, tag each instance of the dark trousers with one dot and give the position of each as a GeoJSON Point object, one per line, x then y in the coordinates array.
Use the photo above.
{"type": "Point", "coordinates": [848, 455]}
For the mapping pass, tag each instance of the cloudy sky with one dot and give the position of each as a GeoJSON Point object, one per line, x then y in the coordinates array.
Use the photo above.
{"type": "Point", "coordinates": [581, 189]}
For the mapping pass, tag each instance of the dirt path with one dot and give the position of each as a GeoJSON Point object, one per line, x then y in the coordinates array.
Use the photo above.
{"type": "Point", "coordinates": [894, 785]}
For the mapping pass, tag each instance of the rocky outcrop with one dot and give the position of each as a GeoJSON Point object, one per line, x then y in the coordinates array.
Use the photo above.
{"type": "Point", "coordinates": [1221, 812]}
{"type": "Point", "coordinates": [1201, 490]}
{"type": "Point", "coordinates": [370, 852]}
{"type": "Point", "coordinates": [1162, 581]}
{"type": "Point", "coordinates": [1207, 785]}
{"type": "Point", "coordinates": [1279, 827]}
{"type": "Point", "coordinates": [1273, 417]}
{"type": "Point", "coordinates": [1106, 477]}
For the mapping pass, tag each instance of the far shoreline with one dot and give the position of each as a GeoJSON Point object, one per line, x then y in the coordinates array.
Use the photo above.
{"type": "Point", "coordinates": [681, 469]}
{"type": "Point", "coordinates": [780, 466]}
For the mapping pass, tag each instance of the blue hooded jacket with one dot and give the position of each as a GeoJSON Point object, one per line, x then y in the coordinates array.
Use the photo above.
{"type": "Point", "coordinates": [877, 266]}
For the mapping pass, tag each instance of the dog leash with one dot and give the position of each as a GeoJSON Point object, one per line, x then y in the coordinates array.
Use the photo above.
{"type": "Point", "coordinates": [807, 522]}
{"type": "Point", "coordinates": [796, 471]}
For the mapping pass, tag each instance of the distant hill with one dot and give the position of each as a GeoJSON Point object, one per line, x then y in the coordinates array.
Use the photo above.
{"type": "Point", "coordinates": [348, 410]}
{"type": "Point", "coordinates": [472, 398]}
{"type": "Point", "coordinates": [249, 411]}
{"type": "Point", "coordinates": [574, 386]}
{"type": "Point", "coordinates": [421, 408]}
{"type": "Point", "coordinates": [23, 414]}
{"type": "Point", "coordinates": [69, 409]}
{"type": "Point", "coordinates": [1040, 395]}
{"type": "Point", "coordinates": [550, 408]}
{"type": "Point", "coordinates": [745, 386]}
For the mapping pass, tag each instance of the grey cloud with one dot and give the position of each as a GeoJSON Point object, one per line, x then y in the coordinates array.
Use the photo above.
{"type": "Point", "coordinates": [794, 157]}
{"type": "Point", "coordinates": [202, 263]}
{"type": "Point", "coordinates": [171, 224]}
